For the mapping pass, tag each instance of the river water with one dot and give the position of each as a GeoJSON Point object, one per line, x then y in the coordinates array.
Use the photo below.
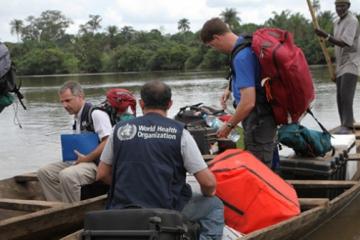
{"type": "Point", "coordinates": [37, 141]}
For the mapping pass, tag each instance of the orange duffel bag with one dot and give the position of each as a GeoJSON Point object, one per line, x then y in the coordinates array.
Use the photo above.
{"type": "Point", "coordinates": [253, 195]}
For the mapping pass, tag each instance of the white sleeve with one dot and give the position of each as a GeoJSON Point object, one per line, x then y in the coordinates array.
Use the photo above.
{"type": "Point", "coordinates": [193, 160]}
{"type": "Point", "coordinates": [108, 151]}
{"type": "Point", "coordinates": [349, 33]}
{"type": "Point", "coordinates": [102, 124]}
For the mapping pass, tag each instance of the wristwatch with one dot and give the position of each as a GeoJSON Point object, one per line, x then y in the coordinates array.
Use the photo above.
{"type": "Point", "coordinates": [328, 37]}
{"type": "Point", "coordinates": [229, 125]}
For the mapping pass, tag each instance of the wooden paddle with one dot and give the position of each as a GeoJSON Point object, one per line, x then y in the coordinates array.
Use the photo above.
{"type": "Point", "coordinates": [322, 42]}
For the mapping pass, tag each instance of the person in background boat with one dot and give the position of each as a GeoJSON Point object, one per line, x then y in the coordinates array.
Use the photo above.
{"type": "Point", "coordinates": [146, 159]}
{"type": "Point", "coordinates": [252, 108]}
{"type": "Point", "coordinates": [61, 181]}
{"type": "Point", "coordinates": [347, 55]}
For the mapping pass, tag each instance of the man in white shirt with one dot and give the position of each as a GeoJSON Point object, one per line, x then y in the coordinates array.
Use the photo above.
{"type": "Point", "coordinates": [62, 181]}
{"type": "Point", "coordinates": [347, 53]}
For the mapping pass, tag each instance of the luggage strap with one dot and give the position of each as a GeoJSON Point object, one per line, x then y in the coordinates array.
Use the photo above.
{"type": "Point", "coordinates": [232, 207]}
{"type": "Point", "coordinates": [322, 128]}
{"type": "Point", "coordinates": [318, 122]}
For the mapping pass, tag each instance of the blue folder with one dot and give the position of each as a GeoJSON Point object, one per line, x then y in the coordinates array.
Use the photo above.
{"type": "Point", "coordinates": [83, 143]}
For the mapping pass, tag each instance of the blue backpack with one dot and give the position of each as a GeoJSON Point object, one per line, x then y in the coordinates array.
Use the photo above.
{"type": "Point", "coordinates": [306, 142]}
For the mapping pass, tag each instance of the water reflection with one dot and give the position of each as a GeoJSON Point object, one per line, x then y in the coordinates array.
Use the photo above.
{"type": "Point", "coordinates": [37, 143]}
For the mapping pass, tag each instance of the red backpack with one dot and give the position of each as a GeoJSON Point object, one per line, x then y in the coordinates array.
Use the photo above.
{"type": "Point", "coordinates": [284, 72]}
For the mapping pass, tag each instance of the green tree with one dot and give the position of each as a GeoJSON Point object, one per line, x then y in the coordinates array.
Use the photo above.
{"type": "Point", "coordinates": [195, 59]}
{"type": "Point", "coordinates": [298, 25]}
{"type": "Point", "coordinates": [127, 33]}
{"type": "Point", "coordinates": [229, 16]}
{"type": "Point", "coordinates": [159, 60]}
{"type": "Point", "coordinates": [249, 27]}
{"type": "Point", "coordinates": [94, 23]}
{"type": "Point", "coordinates": [183, 25]}
{"type": "Point", "coordinates": [30, 32]}
{"type": "Point", "coordinates": [47, 61]}
{"type": "Point", "coordinates": [46, 49]}
{"type": "Point", "coordinates": [279, 20]}
{"type": "Point", "coordinates": [129, 58]}
{"type": "Point", "coordinates": [325, 20]}
{"type": "Point", "coordinates": [50, 26]}
{"type": "Point", "coordinates": [178, 55]}
{"type": "Point", "coordinates": [16, 27]}
{"type": "Point", "coordinates": [112, 31]}
{"type": "Point", "coordinates": [91, 26]}
{"type": "Point", "coordinates": [83, 29]}
{"type": "Point", "coordinates": [88, 49]}
{"type": "Point", "coordinates": [214, 60]}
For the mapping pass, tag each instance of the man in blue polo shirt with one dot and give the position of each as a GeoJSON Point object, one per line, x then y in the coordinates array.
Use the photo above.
{"type": "Point", "coordinates": [252, 108]}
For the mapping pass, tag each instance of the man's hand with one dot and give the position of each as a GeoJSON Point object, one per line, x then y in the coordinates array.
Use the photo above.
{"type": "Point", "coordinates": [321, 33]}
{"type": "Point", "coordinates": [223, 132]}
{"type": "Point", "coordinates": [224, 98]}
{"type": "Point", "coordinates": [80, 157]}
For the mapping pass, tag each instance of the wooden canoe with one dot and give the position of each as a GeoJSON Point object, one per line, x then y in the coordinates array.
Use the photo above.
{"type": "Point", "coordinates": [24, 214]}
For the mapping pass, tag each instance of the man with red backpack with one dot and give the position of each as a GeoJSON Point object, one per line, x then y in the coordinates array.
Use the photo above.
{"type": "Point", "coordinates": [252, 108]}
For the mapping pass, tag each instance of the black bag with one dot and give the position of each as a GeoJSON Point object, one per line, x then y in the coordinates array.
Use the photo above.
{"type": "Point", "coordinates": [193, 115]}
{"type": "Point", "coordinates": [8, 77]}
{"type": "Point", "coordinates": [203, 136]}
{"type": "Point", "coordinates": [139, 224]}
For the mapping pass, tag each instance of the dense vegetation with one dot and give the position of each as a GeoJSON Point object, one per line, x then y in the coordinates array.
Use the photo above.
{"type": "Point", "coordinates": [45, 48]}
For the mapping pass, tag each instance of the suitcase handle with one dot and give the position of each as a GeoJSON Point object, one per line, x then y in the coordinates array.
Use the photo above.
{"type": "Point", "coordinates": [212, 162]}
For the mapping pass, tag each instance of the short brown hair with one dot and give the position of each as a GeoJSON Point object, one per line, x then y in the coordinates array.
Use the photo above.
{"type": "Point", "coordinates": [214, 26]}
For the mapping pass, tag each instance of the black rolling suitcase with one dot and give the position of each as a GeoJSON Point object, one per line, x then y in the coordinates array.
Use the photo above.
{"type": "Point", "coordinates": [139, 224]}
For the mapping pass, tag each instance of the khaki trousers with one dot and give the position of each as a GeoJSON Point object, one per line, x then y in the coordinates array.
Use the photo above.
{"type": "Point", "coordinates": [62, 181]}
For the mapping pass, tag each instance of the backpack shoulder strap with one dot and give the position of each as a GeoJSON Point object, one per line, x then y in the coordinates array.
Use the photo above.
{"type": "Point", "coordinates": [246, 43]}
{"type": "Point", "coordinates": [86, 117]}
{"type": "Point", "coordinates": [14, 87]}
{"type": "Point", "coordinates": [105, 108]}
